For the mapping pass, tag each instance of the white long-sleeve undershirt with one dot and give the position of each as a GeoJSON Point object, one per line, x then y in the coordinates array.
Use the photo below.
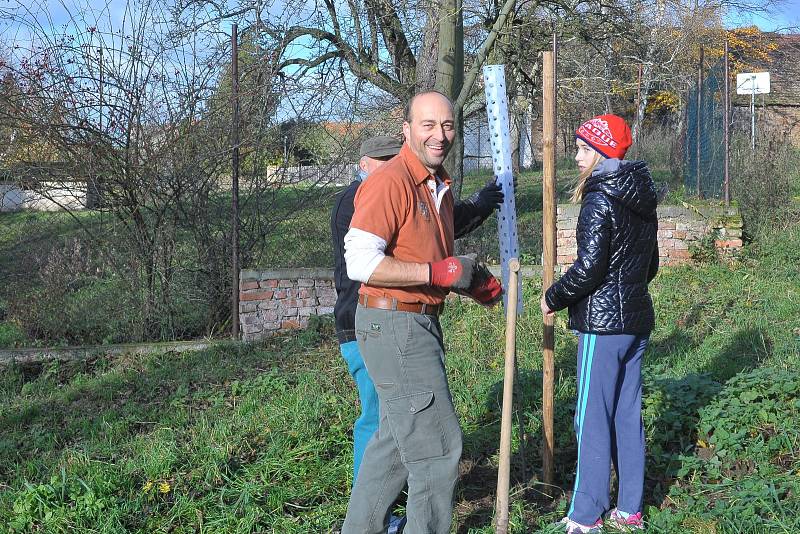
{"type": "Point", "coordinates": [363, 251]}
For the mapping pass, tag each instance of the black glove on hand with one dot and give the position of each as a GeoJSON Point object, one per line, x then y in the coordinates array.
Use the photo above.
{"type": "Point", "coordinates": [489, 198]}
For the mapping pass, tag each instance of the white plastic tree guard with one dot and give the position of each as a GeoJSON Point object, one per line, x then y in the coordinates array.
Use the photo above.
{"type": "Point", "coordinates": [497, 112]}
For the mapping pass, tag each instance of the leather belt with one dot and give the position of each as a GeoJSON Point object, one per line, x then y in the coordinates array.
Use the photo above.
{"type": "Point", "coordinates": [385, 303]}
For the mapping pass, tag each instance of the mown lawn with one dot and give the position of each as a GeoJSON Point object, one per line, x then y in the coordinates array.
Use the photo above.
{"type": "Point", "coordinates": [256, 438]}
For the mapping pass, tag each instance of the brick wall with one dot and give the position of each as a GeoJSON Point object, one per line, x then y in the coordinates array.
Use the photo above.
{"type": "Point", "coordinates": [678, 229]}
{"type": "Point", "coordinates": [282, 299]}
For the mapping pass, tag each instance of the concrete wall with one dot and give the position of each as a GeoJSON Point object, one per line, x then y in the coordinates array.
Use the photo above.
{"type": "Point", "coordinates": [11, 197]}
{"type": "Point", "coordinates": [50, 196]}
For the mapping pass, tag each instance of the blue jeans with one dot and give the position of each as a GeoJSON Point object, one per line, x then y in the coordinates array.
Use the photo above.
{"type": "Point", "coordinates": [367, 423]}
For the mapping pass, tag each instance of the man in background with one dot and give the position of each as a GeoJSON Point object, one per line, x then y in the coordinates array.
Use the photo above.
{"type": "Point", "coordinates": [374, 152]}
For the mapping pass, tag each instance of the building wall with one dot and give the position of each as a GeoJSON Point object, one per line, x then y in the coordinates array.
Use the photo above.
{"type": "Point", "coordinates": [50, 196]}
{"type": "Point", "coordinates": [478, 147]}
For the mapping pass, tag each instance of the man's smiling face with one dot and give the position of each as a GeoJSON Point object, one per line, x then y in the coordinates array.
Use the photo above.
{"type": "Point", "coordinates": [430, 129]}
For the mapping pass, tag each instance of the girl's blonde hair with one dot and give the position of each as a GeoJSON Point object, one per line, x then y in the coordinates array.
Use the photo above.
{"type": "Point", "coordinates": [577, 193]}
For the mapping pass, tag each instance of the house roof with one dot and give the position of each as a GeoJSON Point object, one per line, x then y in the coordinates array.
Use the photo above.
{"type": "Point", "coordinates": [341, 129]}
{"type": "Point", "coordinates": [784, 72]}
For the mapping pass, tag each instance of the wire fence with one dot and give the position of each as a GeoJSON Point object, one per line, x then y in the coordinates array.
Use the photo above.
{"type": "Point", "coordinates": [704, 146]}
{"type": "Point", "coordinates": [478, 171]}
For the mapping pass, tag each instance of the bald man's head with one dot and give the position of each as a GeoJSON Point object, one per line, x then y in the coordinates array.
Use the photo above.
{"type": "Point", "coordinates": [429, 128]}
{"type": "Point", "coordinates": [407, 111]}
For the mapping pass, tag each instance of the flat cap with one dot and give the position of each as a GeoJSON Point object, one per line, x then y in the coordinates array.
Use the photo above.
{"type": "Point", "coordinates": [381, 146]}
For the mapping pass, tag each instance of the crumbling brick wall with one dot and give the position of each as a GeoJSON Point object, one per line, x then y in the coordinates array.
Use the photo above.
{"type": "Point", "coordinates": [282, 299]}
{"type": "Point", "coordinates": [679, 229]}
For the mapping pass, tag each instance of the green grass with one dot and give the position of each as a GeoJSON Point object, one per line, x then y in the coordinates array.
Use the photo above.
{"type": "Point", "coordinates": [74, 279]}
{"type": "Point", "coordinates": [256, 438]}
{"type": "Point", "coordinates": [27, 237]}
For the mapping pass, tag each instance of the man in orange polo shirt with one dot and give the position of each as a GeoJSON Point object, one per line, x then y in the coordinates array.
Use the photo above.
{"type": "Point", "coordinates": [400, 246]}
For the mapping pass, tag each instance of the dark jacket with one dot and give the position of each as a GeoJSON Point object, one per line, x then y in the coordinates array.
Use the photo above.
{"type": "Point", "coordinates": [344, 311]}
{"type": "Point", "coordinates": [466, 218]}
{"type": "Point", "coordinates": [606, 287]}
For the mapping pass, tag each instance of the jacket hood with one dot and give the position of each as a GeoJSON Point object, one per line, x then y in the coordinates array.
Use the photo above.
{"type": "Point", "coordinates": [627, 181]}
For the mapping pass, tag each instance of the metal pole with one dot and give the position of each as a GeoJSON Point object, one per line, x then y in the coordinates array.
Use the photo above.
{"type": "Point", "coordinates": [727, 132]}
{"type": "Point", "coordinates": [100, 63]}
{"type": "Point", "coordinates": [555, 101]}
{"type": "Point", "coordinates": [235, 180]}
{"type": "Point", "coordinates": [698, 122]}
{"type": "Point", "coordinates": [94, 178]}
{"type": "Point", "coordinates": [480, 154]}
{"type": "Point", "coordinates": [549, 257]}
{"type": "Point", "coordinates": [753, 112]}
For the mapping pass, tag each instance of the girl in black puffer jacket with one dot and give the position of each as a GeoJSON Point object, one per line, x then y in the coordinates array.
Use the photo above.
{"type": "Point", "coordinates": [609, 305]}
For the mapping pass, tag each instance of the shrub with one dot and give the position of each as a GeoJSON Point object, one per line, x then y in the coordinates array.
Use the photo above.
{"type": "Point", "coordinates": [661, 149]}
{"type": "Point", "coordinates": [11, 335]}
{"type": "Point", "coordinates": [738, 474]}
{"type": "Point", "coordinates": [763, 182]}
{"type": "Point", "coordinates": [75, 300]}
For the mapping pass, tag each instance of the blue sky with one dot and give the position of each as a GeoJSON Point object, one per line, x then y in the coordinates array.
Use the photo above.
{"type": "Point", "coordinates": [109, 13]}
{"type": "Point", "coordinates": [786, 15]}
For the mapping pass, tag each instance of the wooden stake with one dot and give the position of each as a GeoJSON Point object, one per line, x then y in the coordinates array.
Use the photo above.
{"type": "Point", "coordinates": [504, 470]}
{"type": "Point", "coordinates": [549, 255]}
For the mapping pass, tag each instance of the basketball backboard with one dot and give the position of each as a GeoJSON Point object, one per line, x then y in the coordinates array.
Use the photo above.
{"type": "Point", "coordinates": [752, 83]}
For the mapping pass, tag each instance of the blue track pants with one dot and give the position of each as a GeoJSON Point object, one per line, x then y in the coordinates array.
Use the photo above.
{"type": "Point", "coordinates": [608, 425]}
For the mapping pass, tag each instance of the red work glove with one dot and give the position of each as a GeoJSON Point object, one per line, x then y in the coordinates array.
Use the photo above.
{"type": "Point", "coordinates": [454, 272]}
{"type": "Point", "coordinates": [485, 288]}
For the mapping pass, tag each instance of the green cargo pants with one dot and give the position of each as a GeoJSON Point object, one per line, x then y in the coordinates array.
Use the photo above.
{"type": "Point", "coordinates": [418, 439]}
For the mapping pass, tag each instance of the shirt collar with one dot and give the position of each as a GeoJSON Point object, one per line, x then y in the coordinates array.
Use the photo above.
{"type": "Point", "coordinates": [419, 172]}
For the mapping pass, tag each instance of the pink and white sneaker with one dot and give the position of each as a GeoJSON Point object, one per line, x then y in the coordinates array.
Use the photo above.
{"type": "Point", "coordinates": [625, 522]}
{"type": "Point", "coordinates": [571, 527]}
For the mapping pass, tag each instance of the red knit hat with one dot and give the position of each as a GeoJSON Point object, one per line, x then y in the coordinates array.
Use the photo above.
{"type": "Point", "coordinates": [607, 134]}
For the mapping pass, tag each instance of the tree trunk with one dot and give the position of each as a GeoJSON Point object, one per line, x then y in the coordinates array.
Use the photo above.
{"type": "Point", "coordinates": [644, 90]}
{"type": "Point", "coordinates": [450, 79]}
{"type": "Point", "coordinates": [515, 126]}
{"type": "Point", "coordinates": [647, 71]}
{"type": "Point", "coordinates": [428, 54]}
